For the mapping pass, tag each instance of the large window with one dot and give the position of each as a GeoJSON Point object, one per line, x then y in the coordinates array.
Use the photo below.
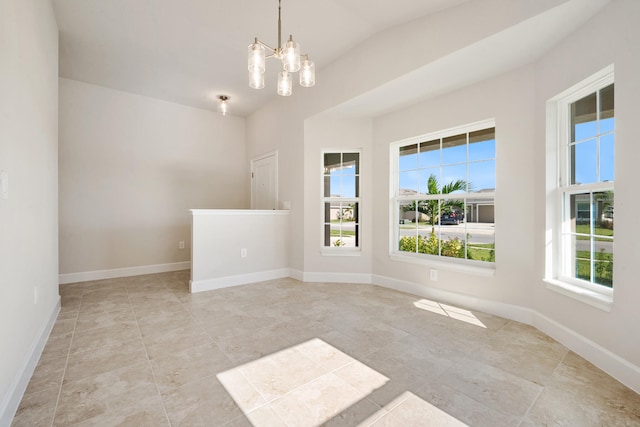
{"type": "Point", "coordinates": [585, 188]}
{"type": "Point", "coordinates": [444, 194]}
{"type": "Point", "coordinates": [341, 199]}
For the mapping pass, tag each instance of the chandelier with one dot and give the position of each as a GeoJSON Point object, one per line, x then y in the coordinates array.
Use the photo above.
{"type": "Point", "coordinates": [291, 62]}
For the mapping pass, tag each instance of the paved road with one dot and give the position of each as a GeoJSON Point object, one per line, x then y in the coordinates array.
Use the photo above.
{"type": "Point", "coordinates": [478, 233]}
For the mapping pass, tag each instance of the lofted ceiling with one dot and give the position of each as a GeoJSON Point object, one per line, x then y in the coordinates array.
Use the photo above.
{"type": "Point", "coordinates": [190, 51]}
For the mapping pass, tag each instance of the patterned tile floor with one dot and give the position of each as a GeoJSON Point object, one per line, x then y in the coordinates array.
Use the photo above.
{"type": "Point", "coordinates": [143, 351]}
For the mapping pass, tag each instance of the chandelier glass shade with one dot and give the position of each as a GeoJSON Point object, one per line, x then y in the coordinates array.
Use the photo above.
{"type": "Point", "coordinates": [292, 62]}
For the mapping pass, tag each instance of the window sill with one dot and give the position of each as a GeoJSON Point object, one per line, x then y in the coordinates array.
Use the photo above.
{"type": "Point", "coordinates": [595, 299]}
{"type": "Point", "coordinates": [340, 252]}
{"type": "Point", "coordinates": [488, 271]}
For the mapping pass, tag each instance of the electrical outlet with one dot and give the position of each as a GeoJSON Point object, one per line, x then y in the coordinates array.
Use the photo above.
{"type": "Point", "coordinates": [433, 275]}
{"type": "Point", "coordinates": [243, 253]}
{"type": "Point", "coordinates": [181, 244]}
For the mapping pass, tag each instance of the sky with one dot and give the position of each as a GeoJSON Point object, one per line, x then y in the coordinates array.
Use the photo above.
{"type": "Point", "coordinates": [587, 154]}
{"type": "Point", "coordinates": [450, 164]}
{"type": "Point", "coordinates": [414, 169]}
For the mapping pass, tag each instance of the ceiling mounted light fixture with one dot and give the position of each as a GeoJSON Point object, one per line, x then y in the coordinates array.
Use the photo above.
{"type": "Point", "coordinates": [223, 104]}
{"type": "Point", "coordinates": [291, 63]}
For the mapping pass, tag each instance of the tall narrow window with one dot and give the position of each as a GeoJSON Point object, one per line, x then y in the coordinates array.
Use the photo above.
{"type": "Point", "coordinates": [341, 199]}
{"type": "Point", "coordinates": [444, 192]}
{"type": "Point", "coordinates": [586, 186]}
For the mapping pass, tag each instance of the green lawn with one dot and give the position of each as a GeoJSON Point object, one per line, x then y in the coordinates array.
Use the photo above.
{"type": "Point", "coordinates": [482, 252]}
{"type": "Point", "coordinates": [598, 231]}
{"type": "Point", "coordinates": [603, 267]}
{"type": "Point", "coordinates": [336, 233]}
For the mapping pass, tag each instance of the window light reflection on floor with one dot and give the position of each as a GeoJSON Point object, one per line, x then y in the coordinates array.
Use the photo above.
{"type": "Point", "coordinates": [312, 382]}
{"type": "Point", "coordinates": [449, 311]}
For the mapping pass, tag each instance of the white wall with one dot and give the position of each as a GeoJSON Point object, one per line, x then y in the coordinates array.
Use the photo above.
{"type": "Point", "coordinates": [509, 99]}
{"type": "Point", "coordinates": [221, 236]}
{"type": "Point", "coordinates": [610, 38]}
{"type": "Point", "coordinates": [29, 217]}
{"type": "Point", "coordinates": [280, 125]}
{"type": "Point", "coordinates": [131, 167]}
{"type": "Point", "coordinates": [324, 132]}
{"type": "Point", "coordinates": [516, 99]}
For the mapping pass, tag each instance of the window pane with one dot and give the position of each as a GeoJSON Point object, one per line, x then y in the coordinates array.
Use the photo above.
{"type": "Point", "coordinates": [583, 118]}
{"type": "Point", "coordinates": [351, 163]}
{"type": "Point", "coordinates": [482, 135]}
{"type": "Point", "coordinates": [408, 182]}
{"type": "Point", "coordinates": [582, 258]}
{"type": "Point", "coordinates": [482, 176]}
{"type": "Point", "coordinates": [482, 150]}
{"type": "Point", "coordinates": [451, 230]}
{"type": "Point", "coordinates": [430, 153]}
{"type": "Point", "coordinates": [480, 211]}
{"type": "Point", "coordinates": [580, 213]}
{"type": "Point", "coordinates": [429, 179]}
{"type": "Point", "coordinates": [408, 157]}
{"type": "Point", "coordinates": [334, 185]}
{"type": "Point", "coordinates": [331, 162]}
{"type": "Point", "coordinates": [348, 186]}
{"type": "Point", "coordinates": [584, 162]}
{"type": "Point", "coordinates": [327, 213]}
{"type": "Point", "coordinates": [454, 149]}
{"type": "Point", "coordinates": [603, 205]}
{"type": "Point", "coordinates": [342, 224]}
{"type": "Point", "coordinates": [606, 158]}
{"type": "Point", "coordinates": [408, 222]}
{"type": "Point", "coordinates": [481, 233]}
{"type": "Point", "coordinates": [606, 105]}
{"type": "Point", "coordinates": [454, 179]}
{"type": "Point", "coordinates": [603, 263]}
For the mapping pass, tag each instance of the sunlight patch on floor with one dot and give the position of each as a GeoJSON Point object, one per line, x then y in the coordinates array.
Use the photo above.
{"type": "Point", "coordinates": [449, 311]}
{"type": "Point", "coordinates": [310, 383]}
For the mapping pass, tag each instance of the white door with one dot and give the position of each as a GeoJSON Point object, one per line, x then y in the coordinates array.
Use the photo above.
{"type": "Point", "coordinates": [264, 182]}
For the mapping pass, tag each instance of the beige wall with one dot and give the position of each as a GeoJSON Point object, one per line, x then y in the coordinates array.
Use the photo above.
{"type": "Point", "coordinates": [131, 167]}
{"type": "Point", "coordinates": [29, 216]}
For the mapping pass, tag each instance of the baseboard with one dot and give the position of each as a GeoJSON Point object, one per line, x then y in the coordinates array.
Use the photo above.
{"type": "Point", "coordinates": [123, 272]}
{"type": "Point", "coordinates": [621, 369]}
{"type": "Point", "coordinates": [336, 277]}
{"type": "Point", "coordinates": [296, 274]}
{"type": "Point", "coordinates": [240, 279]}
{"type": "Point", "coordinates": [614, 365]}
{"type": "Point", "coordinates": [509, 311]}
{"type": "Point", "coordinates": [11, 401]}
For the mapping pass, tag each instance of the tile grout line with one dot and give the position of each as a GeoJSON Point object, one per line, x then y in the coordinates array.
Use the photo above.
{"type": "Point", "coordinates": [153, 374]}
{"type": "Point", "coordinates": [543, 388]}
{"type": "Point", "coordinates": [66, 362]}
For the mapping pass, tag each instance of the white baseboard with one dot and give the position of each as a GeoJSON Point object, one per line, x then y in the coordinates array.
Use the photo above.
{"type": "Point", "coordinates": [11, 401]}
{"type": "Point", "coordinates": [240, 279]}
{"type": "Point", "coordinates": [296, 274]}
{"type": "Point", "coordinates": [336, 277]}
{"type": "Point", "coordinates": [619, 368]}
{"type": "Point", "coordinates": [123, 272]}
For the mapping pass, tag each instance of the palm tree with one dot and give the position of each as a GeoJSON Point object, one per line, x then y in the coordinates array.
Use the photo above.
{"type": "Point", "coordinates": [433, 208]}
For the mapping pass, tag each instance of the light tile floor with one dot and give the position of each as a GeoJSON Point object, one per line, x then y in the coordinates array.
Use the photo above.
{"type": "Point", "coordinates": [143, 351]}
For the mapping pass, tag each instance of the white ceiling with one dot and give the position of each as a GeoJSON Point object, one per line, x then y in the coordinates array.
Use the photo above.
{"type": "Point", "coordinates": [190, 51]}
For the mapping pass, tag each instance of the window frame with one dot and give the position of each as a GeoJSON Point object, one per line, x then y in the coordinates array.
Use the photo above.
{"type": "Point", "coordinates": [558, 256]}
{"type": "Point", "coordinates": [341, 250]}
{"type": "Point", "coordinates": [483, 268]}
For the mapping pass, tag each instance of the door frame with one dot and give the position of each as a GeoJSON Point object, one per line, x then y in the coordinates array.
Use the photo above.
{"type": "Point", "coordinates": [274, 155]}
